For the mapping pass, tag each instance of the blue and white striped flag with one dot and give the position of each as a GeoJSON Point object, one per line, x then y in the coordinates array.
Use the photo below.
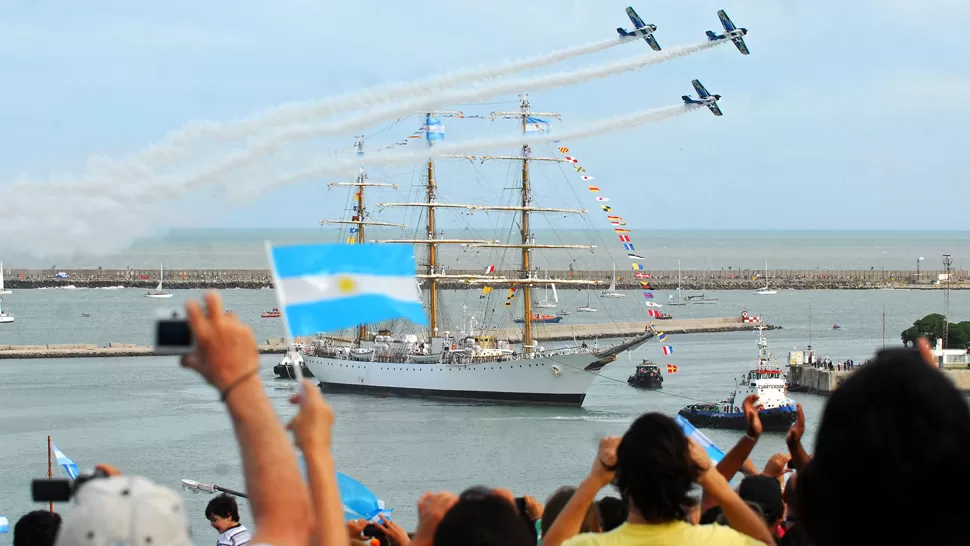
{"type": "Point", "coordinates": [328, 287]}
{"type": "Point", "coordinates": [69, 466]}
{"type": "Point", "coordinates": [536, 125]}
{"type": "Point", "coordinates": [4, 525]}
{"type": "Point", "coordinates": [434, 128]}
{"type": "Point", "coordinates": [713, 451]}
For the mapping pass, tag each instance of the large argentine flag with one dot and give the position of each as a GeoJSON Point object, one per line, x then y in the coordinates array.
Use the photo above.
{"type": "Point", "coordinates": [713, 451]}
{"type": "Point", "coordinates": [327, 287]}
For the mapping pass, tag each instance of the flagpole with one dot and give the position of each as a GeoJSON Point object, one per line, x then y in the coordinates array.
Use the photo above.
{"type": "Point", "coordinates": [50, 473]}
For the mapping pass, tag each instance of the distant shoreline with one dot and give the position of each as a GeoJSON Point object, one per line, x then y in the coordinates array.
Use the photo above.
{"type": "Point", "coordinates": [715, 280]}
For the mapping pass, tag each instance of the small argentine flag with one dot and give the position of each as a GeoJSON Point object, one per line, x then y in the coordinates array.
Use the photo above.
{"type": "Point", "coordinates": [4, 525]}
{"type": "Point", "coordinates": [713, 451]}
{"type": "Point", "coordinates": [69, 466]}
{"type": "Point", "coordinates": [328, 287]}
{"type": "Point", "coordinates": [668, 350]}
{"type": "Point", "coordinates": [536, 125]}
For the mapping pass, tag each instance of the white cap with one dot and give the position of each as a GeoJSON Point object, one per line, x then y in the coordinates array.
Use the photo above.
{"type": "Point", "coordinates": [125, 510]}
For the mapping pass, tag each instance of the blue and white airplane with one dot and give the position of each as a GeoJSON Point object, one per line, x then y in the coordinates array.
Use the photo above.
{"type": "Point", "coordinates": [642, 29]}
{"type": "Point", "coordinates": [731, 32]}
{"type": "Point", "coordinates": [706, 98]}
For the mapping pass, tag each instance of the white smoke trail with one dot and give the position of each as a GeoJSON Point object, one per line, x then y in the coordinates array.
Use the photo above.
{"type": "Point", "coordinates": [348, 166]}
{"type": "Point", "coordinates": [174, 144]}
{"type": "Point", "coordinates": [246, 158]}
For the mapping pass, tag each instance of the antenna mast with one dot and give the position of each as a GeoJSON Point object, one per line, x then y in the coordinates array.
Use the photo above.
{"type": "Point", "coordinates": [947, 262]}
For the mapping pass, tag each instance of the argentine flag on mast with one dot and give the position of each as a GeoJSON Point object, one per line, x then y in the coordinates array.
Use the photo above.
{"type": "Point", "coordinates": [69, 466]}
{"type": "Point", "coordinates": [434, 129]}
{"type": "Point", "coordinates": [328, 287]}
{"type": "Point", "coordinates": [536, 125]}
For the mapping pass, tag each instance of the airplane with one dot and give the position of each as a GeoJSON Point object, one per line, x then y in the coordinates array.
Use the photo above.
{"type": "Point", "coordinates": [642, 29]}
{"type": "Point", "coordinates": [731, 32]}
{"type": "Point", "coordinates": [706, 98]}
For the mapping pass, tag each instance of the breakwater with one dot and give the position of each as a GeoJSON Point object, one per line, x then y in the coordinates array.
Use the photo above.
{"type": "Point", "coordinates": [90, 350]}
{"type": "Point", "coordinates": [823, 381]}
{"type": "Point", "coordinates": [696, 280]}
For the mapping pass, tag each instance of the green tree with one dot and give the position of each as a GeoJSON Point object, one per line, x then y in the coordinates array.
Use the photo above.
{"type": "Point", "coordinates": [933, 327]}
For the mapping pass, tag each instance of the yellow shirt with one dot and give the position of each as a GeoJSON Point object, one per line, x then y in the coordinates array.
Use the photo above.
{"type": "Point", "coordinates": [676, 533]}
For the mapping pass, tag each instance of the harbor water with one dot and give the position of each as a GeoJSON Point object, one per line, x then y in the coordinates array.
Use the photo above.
{"type": "Point", "coordinates": [148, 416]}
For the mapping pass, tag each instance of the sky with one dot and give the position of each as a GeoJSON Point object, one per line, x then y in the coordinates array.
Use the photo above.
{"type": "Point", "coordinates": [840, 117]}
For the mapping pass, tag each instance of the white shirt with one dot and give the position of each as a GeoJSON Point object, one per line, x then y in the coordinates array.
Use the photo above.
{"type": "Point", "coordinates": [235, 536]}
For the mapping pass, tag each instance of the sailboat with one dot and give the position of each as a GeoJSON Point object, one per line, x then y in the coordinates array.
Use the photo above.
{"type": "Point", "coordinates": [611, 291]}
{"type": "Point", "coordinates": [544, 303]}
{"type": "Point", "coordinates": [158, 292]}
{"type": "Point", "coordinates": [588, 308]}
{"type": "Point", "coordinates": [3, 291]}
{"type": "Point", "coordinates": [766, 291]}
{"type": "Point", "coordinates": [679, 299]}
{"type": "Point", "coordinates": [4, 317]}
{"type": "Point", "coordinates": [470, 364]}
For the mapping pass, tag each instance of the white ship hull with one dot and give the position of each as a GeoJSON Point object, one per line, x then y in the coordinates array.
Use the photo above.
{"type": "Point", "coordinates": [554, 380]}
{"type": "Point", "coordinates": [5, 319]}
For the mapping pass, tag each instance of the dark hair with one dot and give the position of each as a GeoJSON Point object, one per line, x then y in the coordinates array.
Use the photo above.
{"type": "Point", "coordinates": [223, 506]}
{"type": "Point", "coordinates": [790, 495]}
{"type": "Point", "coordinates": [654, 471]}
{"type": "Point", "coordinates": [612, 512]}
{"type": "Point", "coordinates": [557, 501]}
{"type": "Point", "coordinates": [373, 531]}
{"type": "Point", "coordinates": [895, 434]}
{"type": "Point", "coordinates": [483, 521]}
{"type": "Point", "coordinates": [37, 528]}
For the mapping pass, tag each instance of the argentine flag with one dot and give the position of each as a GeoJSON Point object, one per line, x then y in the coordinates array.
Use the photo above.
{"type": "Point", "coordinates": [4, 525]}
{"type": "Point", "coordinates": [536, 125]}
{"type": "Point", "coordinates": [434, 128]}
{"type": "Point", "coordinates": [328, 287]}
{"type": "Point", "coordinates": [713, 451]}
{"type": "Point", "coordinates": [69, 466]}
{"type": "Point", "coordinates": [358, 501]}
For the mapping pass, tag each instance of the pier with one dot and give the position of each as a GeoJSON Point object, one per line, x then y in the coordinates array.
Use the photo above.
{"type": "Point", "coordinates": [824, 381]}
{"type": "Point", "coordinates": [87, 350]}
{"type": "Point", "coordinates": [544, 332]}
{"type": "Point", "coordinates": [697, 280]}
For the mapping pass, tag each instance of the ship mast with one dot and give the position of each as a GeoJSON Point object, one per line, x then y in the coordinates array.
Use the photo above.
{"type": "Point", "coordinates": [359, 218]}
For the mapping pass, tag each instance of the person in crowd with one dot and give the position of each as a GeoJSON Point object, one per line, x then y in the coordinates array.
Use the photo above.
{"type": "Point", "coordinates": [592, 523]}
{"type": "Point", "coordinates": [904, 425]}
{"type": "Point", "coordinates": [765, 492]}
{"type": "Point", "coordinates": [223, 515]}
{"type": "Point", "coordinates": [794, 533]}
{"type": "Point", "coordinates": [479, 517]}
{"type": "Point", "coordinates": [612, 512]}
{"type": "Point", "coordinates": [37, 528]}
{"type": "Point", "coordinates": [654, 466]}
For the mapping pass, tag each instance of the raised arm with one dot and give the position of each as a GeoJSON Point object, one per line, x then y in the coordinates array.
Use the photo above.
{"type": "Point", "coordinates": [799, 458]}
{"type": "Point", "coordinates": [569, 522]}
{"type": "Point", "coordinates": [312, 428]}
{"type": "Point", "coordinates": [226, 356]}
{"type": "Point", "coordinates": [737, 458]}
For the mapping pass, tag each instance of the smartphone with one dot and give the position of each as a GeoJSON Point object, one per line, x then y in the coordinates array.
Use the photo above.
{"type": "Point", "coordinates": [173, 336]}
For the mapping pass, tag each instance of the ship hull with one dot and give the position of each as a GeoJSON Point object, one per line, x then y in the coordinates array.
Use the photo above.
{"type": "Point", "coordinates": [557, 380]}
{"type": "Point", "coordinates": [772, 420]}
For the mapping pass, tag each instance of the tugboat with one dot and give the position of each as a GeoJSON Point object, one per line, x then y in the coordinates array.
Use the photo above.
{"type": "Point", "coordinates": [546, 319]}
{"type": "Point", "coordinates": [646, 376]}
{"type": "Point", "coordinates": [284, 370]}
{"type": "Point", "coordinates": [767, 381]}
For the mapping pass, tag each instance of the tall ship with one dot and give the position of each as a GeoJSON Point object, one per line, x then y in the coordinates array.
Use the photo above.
{"type": "Point", "coordinates": [777, 412]}
{"type": "Point", "coordinates": [471, 362]}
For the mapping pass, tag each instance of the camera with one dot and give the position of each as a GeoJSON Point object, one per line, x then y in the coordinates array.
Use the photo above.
{"type": "Point", "coordinates": [173, 335]}
{"type": "Point", "coordinates": [61, 490]}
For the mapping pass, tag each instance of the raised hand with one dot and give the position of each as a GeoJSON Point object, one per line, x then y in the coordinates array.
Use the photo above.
{"type": "Point", "coordinates": [431, 510]}
{"type": "Point", "coordinates": [355, 527]}
{"type": "Point", "coordinates": [700, 458]}
{"type": "Point", "coordinates": [533, 508]}
{"type": "Point", "coordinates": [751, 416]}
{"type": "Point", "coordinates": [313, 424]}
{"type": "Point", "coordinates": [395, 534]}
{"type": "Point", "coordinates": [226, 352]}
{"type": "Point", "coordinates": [926, 352]}
{"type": "Point", "coordinates": [777, 466]}
{"type": "Point", "coordinates": [797, 429]}
{"type": "Point", "coordinates": [602, 470]}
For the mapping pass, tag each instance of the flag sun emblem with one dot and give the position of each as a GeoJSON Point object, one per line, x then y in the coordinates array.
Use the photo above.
{"type": "Point", "coordinates": [346, 285]}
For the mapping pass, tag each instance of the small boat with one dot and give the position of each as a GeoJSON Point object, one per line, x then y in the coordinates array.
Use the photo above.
{"type": "Point", "coordinates": [679, 298]}
{"type": "Point", "coordinates": [611, 292]}
{"type": "Point", "coordinates": [425, 359]}
{"type": "Point", "coordinates": [5, 318]}
{"type": "Point", "coordinates": [284, 370]}
{"type": "Point", "coordinates": [700, 298]}
{"type": "Point", "coordinates": [275, 313]}
{"type": "Point", "coordinates": [586, 308]}
{"type": "Point", "coordinates": [646, 376]}
{"type": "Point", "coordinates": [85, 314]}
{"type": "Point", "coordinates": [545, 303]}
{"type": "Point", "coordinates": [545, 319]}
{"type": "Point", "coordinates": [766, 291]}
{"type": "Point", "coordinates": [659, 315]}
{"type": "Point", "coordinates": [836, 327]}
{"type": "Point", "coordinates": [768, 382]}
{"type": "Point", "coordinates": [158, 292]}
